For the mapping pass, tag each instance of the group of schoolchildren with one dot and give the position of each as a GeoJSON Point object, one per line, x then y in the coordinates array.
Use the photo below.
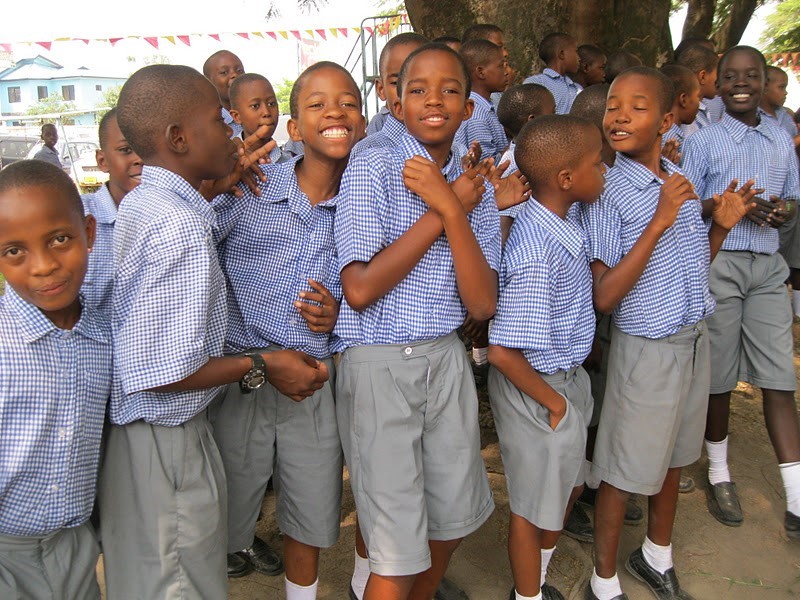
{"type": "Point", "coordinates": [224, 275]}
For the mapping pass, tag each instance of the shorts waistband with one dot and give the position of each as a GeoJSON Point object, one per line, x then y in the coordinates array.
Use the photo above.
{"type": "Point", "coordinates": [560, 376]}
{"type": "Point", "coordinates": [11, 543]}
{"type": "Point", "coordinates": [406, 351]}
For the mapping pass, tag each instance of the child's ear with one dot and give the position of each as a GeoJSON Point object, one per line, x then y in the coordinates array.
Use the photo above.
{"type": "Point", "coordinates": [479, 72]}
{"type": "Point", "coordinates": [669, 119]}
{"type": "Point", "coordinates": [100, 158]}
{"type": "Point", "coordinates": [468, 108]}
{"type": "Point", "coordinates": [236, 117]}
{"type": "Point", "coordinates": [176, 139]}
{"type": "Point", "coordinates": [683, 99]}
{"type": "Point", "coordinates": [531, 117]}
{"type": "Point", "coordinates": [565, 180]}
{"type": "Point", "coordinates": [90, 226]}
{"type": "Point", "coordinates": [398, 110]}
{"type": "Point", "coordinates": [293, 130]}
{"type": "Point", "coordinates": [380, 89]}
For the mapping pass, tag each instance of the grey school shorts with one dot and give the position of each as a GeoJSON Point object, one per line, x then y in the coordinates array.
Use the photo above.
{"type": "Point", "coordinates": [542, 465]}
{"type": "Point", "coordinates": [751, 328]}
{"type": "Point", "coordinates": [408, 418]}
{"type": "Point", "coordinates": [789, 248]}
{"type": "Point", "coordinates": [264, 428]}
{"type": "Point", "coordinates": [654, 414]}
{"type": "Point", "coordinates": [60, 566]}
{"type": "Point", "coordinates": [163, 512]}
{"type": "Point", "coordinates": [598, 372]}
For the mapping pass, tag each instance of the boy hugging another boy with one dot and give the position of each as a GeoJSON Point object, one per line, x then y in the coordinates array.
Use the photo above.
{"type": "Point", "coordinates": [543, 331]}
{"type": "Point", "coordinates": [651, 254]}
{"type": "Point", "coordinates": [279, 258]}
{"type": "Point", "coordinates": [55, 380]}
{"type": "Point", "coordinates": [406, 400]}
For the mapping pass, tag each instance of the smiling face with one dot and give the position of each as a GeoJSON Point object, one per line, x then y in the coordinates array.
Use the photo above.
{"type": "Point", "coordinates": [433, 101]}
{"type": "Point", "coordinates": [256, 105]}
{"type": "Point", "coordinates": [117, 158]}
{"type": "Point", "coordinates": [634, 118]}
{"type": "Point", "coordinates": [329, 120]}
{"type": "Point", "coordinates": [740, 84]}
{"type": "Point", "coordinates": [44, 249]}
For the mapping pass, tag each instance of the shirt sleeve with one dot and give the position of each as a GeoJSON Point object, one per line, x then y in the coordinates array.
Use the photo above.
{"type": "Point", "coordinates": [791, 188]}
{"type": "Point", "coordinates": [694, 164]}
{"type": "Point", "coordinates": [603, 225]}
{"type": "Point", "coordinates": [487, 228]}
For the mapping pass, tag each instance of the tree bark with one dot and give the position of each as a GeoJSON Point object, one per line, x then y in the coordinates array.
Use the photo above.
{"type": "Point", "coordinates": [732, 28]}
{"type": "Point", "coordinates": [699, 18]}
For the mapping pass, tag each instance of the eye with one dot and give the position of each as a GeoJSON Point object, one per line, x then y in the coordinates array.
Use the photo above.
{"type": "Point", "coordinates": [255, 105]}
{"type": "Point", "coordinates": [60, 240]}
{"type": "Point", "coordinates": [272, 104]}
{"type": "Point", "coordinates": [415, 90]}
{"type": "Point", "coordinates": [125, 150]}
{"type": "Point", "coordinates": [12, 252]}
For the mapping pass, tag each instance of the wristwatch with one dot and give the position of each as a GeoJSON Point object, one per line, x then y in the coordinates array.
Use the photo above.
{"type": "Point", "coordinates": [256, 376]}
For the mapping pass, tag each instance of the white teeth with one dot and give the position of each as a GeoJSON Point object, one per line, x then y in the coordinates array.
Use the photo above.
{"type": "Point", "coordinates": [621, 133]}
{"type": "Point", "coordinates": [740, 96]}
{"type": "Point", "coordinates": [335, 132]}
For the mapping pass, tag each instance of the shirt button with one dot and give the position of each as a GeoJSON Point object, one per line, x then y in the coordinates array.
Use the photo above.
{"type": "Point", "coordinates": [54, 488]}
{"type": "Point", "coordinates": [408, 351]}
{"type": "Point", "coordinates": [62, 433]}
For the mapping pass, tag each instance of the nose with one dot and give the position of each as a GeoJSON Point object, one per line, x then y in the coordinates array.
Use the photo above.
{"type": "Point", "coordinates": [433, 98]}
{"type": "Point", "coordinates": [43, 263]}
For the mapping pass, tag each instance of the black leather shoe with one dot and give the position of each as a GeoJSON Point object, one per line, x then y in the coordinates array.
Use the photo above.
{"type": "Point", "coordinates": [588, 594]}
{"type": "Point", "coordinates": [633, 514]}
{"type": "Point", "coordinates": [686, 485]}
{"type": "Point", "coordinates": [723, 504]}
{"type": "Point", "coordinates": [449, 591]}
{"type": "Point", "coordinates": [262, 558]}
{"type": "Point", "coordinates": [791, 523]}
{"type": "Point", "coordinates": [664, 587]}
{"type": "Point", "coordinates": [548, 593]}
{"type": "Point", "coordinates": [238, 566]}
{"type": "Point", "coordinates": [578, 525]}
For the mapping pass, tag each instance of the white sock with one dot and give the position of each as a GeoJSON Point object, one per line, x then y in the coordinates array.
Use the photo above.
{"type": "Point", "coordinates": [521, 597]}
{"type": "Point", "coordinates": [718, 461]}
{"type": "Point", "coordinates": [658, 557]}
{"type": "Point", "coordinates": [605, 589]}
{"type": "Point", "coordinates": [546, 556]}
{"type": "Point", "coordinates": [592, 480]}
{"type": "Point", "coordinates": [299, 592]}
{"type": "Point", "coordinates": [790, 473]}
{"type": "Point", "coordinates": [360, 576]}
{"type": "Point", "coordinates": [480, 356]}
{"type": "Point", "coordinates": [796, 302]}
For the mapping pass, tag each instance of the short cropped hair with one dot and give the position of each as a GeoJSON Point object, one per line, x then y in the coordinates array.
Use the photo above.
{"type": "Point", "coordinates": [34, 173]}
{"type": "Point", "coordinates": [447, 39]}
{"type": "Point", "coordinates": [102, 129]}
{"type": "Point", "coordinates": [210, 59]}
{"type": "Point", "coordinates": [479, 53]}
{"type": "Point", "coordinates": [48, 126]}
{"type": "Point", "coordinates": [552, 44]}
{"type": "Point", "coordinates": [153, 98]}
{"type": "Point", "coordinates": [589, 53]}
{"type": "Point", "coordinates": [408, 38]}
{"type": "Point", "coordinates": [294, 97]}
{"type": "Point", "coordinates": [683, 80]}
{"type": "Point", "coordinates": [747, 49]}
{"type": "Point", "coordinates": [590, 104]}
{"type": "Point", "coordinates": [519, 101]}
{"type": "Point", "coordinates": [619, 61]}
{"type": "Point", "coordinates": [665, 91]}
{"type": "Point", "coordinates": [242, 80]}
{"type": "Point", "coordinates": [689, 42]}
{"type": "Point", "coordinates": [480, 31]}
{"type": "Point", "coordinates": [434, 47]}
{"type": "Point", "coordinates": [697, 57]}
{"type": "Point", "coordinates": [773, 70]}
{"type": "Point", "coordinates": [550, 144]}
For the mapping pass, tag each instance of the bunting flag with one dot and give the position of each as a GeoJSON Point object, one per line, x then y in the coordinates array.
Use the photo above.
{"type": "Point", "coordinates": [380, 28]}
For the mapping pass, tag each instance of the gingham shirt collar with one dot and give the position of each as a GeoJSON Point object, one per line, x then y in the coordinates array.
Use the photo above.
{"type": "Point", "coordinates": [286, 189]}
{"type": "Point", "coordinates": [410, 146]}
{"type": "Point", "coordinates": [639, 175]}
{"type": "Point", "coordinates": [565, 231]}
{"type": "Point", "coordinates": [103, 206]}
{"type": "Point", "coordinates": [738, 130]}
{"type": "Point", "coordinates": [34, 325]}
{"type": "Point", "coordinates": [162, 178]}
{"type": "Point", "coordinates": [393, 127]}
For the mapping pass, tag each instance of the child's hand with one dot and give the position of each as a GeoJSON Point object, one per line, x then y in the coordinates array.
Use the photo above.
{"type": "Point", "coordinates": [732, 205]}
{"type": "Point", "coordinates": [512, 190]}
{"type": "Point", "coordinates": [780, 214]}
{"type": "Point", "coordinates": [424, 178]}
{"type": "Point", "coordinates": [470, 186]}
{"type": "Point", "coordinates": [246, 168]}
{"type": "Point", "coordinates": [473, 329]}
{"type": "Point", "coordinates": [761, 211]}
{"type": "Point", "coordinates": [295, 374]}
{"type": "Point", "coordinates": [675, 191]}
{"type": "Point", "coordinates": [320, 319]}
{"type": "Point", "coordinates": [671, 151]}
{"type": "Point", "coordinates": [557, 415]}
{"type": "Point", "coordinates": [472, 157]}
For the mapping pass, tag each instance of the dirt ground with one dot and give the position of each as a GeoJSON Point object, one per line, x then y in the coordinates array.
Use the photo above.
{"type": "Point", "coordinates": [753, 562]}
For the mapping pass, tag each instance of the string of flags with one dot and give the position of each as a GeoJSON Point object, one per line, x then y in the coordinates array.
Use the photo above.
{"type": "Point", "coordinates": [785, 59]}
{"type": "Point", "coordinates": [380, 28]}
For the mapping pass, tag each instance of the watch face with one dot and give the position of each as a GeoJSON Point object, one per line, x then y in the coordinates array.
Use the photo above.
{"type": "Point", "coordinates": [256, 381]}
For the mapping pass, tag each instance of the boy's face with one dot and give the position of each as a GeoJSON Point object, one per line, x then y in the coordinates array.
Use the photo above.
{"type": "Point", "coordinates": [209, 151]}
{"type": "Point", "coordinates": [387, 84]}
{"type": "Point", "coordinates": [50, 137]}
{"type": "Point", "coordinates": [595, 71]}
{"type": "Point", "coordinates": [329, 120]}
{"type": "Point", "coordinates": [634, 118]}
{"type": "Point", "coordinates": [223, 70]}
{"type": "Point", "coordinates": [775, 89]}
{"type": "Point", "coordinates": [741, 82]}
{"type": "Point", "coordinates": [117, 158]}
{"type": "Point", "coordinates": [256, 105]}
{"type": "Point", "coordinates": [708, 84]}
{"type": "Point", "coordinates": [44, 250]}
{"type": "Point", "coordinates": [571, 58]}
{"type": "Point", "coordinates": [495, 73]}
{"type": "Point", "coordinates": [433, 102]}
{"type": "Point", "coordinates": [589, 175]}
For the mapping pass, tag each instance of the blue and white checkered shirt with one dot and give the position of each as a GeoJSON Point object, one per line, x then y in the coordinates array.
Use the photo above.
{"type": "Point", "coordinates": [728, 150]}
{"type": "Point", "coordinates": [715, 109]}
{"type": "Point", "coordinates": [275, 243]}
{"type": "Point", "coordinates": [378, 121]}
{"type": "Point", "coordinates": [706, 115]}
{"type": "Point", "coordinates": [508, 155]}
{"type": "Point", "coordinates": [562, 87]}
{"type": "Point", "coordinates": [54, 386]}
{"type": "Point", "coordinates": [276, 155]}
{"type": "Point", "coordinates": [235, 127]}
{"type": "Point", "coordinates": [545, 307]}
{"type": "Point", "coordinates": [674, 133]}
{"type": "Point", "coordinates": [485, 127]}
{"type": "Point", "coordinates": [375, 208]}
{"type": "Point", "coordinates": [389, 136]}
{"type": "Point", "coordinates": [168, 303]}
{"type": "Point", "coordinates": [99, 279]}
{"type": "Point", "coordinates": [781, 119]}
{"type": "Point", "coordinates": [673, 290]}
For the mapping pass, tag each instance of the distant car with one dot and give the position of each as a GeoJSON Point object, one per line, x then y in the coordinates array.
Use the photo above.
{"type": "Point", "coordinates": [81, 155]}
{"type": "Point", "coordinates": [14, 148]}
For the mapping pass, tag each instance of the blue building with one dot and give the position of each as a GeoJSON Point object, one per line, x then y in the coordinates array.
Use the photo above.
{"type": "Point", "coordinates": [34, 79]}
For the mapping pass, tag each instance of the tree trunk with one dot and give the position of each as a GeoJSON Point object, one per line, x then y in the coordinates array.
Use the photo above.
{"type": "Point", "coordinates": [732, 28]}
{"type": "Point", "coordinates": [641, 27]}
{"type": "Point", "coordinates": [699, 18]}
